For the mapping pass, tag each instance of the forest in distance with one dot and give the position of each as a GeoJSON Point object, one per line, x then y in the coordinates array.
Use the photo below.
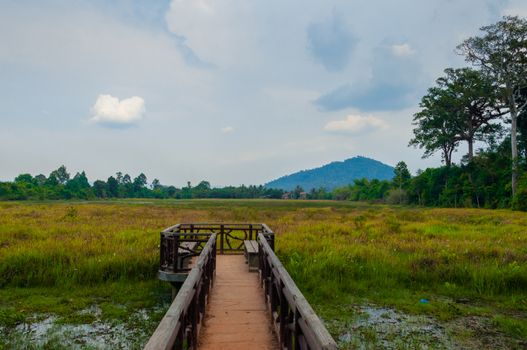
{"type": "Point", "coordinates": [480, 183]}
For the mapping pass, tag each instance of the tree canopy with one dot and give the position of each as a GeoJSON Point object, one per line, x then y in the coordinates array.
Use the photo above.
{"type": "Point", "coordinates": [501, 53]}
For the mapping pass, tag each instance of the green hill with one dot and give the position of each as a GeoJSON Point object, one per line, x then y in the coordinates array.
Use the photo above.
{"type": "Point", "coordinates": [335, 174]}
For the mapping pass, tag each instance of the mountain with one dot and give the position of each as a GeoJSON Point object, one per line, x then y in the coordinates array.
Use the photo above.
{"type": "Point", "coordinates": [335, 174]}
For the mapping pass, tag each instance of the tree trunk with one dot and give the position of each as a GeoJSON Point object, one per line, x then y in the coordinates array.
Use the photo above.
{"type": "Point", "coordinates": [470, 140]}
{"type": "Point", "coordinates": [448, 156]}
{"type": "Point", "coordinates": [514, 145]}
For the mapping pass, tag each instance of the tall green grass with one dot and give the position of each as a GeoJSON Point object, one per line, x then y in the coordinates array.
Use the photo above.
{"type": "Point", "coordinates": [61, 244]}
{"type": "Point", "coordinates": [435, 250]}
{"type": "Point", "coordinates": [476, 252]}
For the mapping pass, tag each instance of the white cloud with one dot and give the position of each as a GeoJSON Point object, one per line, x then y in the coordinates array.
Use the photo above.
{"type": "Point", "coordinates": [402, 50]}
{"type": "Point", "coordinates": [227, 129]}
{"type": "Point", "coordinates": [356, 124]}
{"type": "Point", "coordinates": [110, 111]}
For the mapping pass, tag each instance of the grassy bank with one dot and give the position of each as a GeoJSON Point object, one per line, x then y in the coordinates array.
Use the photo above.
{"type": "Point", "coordinates": [446, 263]}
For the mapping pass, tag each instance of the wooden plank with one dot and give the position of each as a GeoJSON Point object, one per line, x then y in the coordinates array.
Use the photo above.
{"type": "Point", "coordinates": [236, 320]}
{"type": "Point", "coordinates": [251, 247]}
{"type": "Point", "coordinates": [267, 229]}
{"type": "Point", "coordinates": [186, 247]}
{"type": "Point", "coordinates": [171, 229]}
{"type": "Point", "coordinates": [251, 254]}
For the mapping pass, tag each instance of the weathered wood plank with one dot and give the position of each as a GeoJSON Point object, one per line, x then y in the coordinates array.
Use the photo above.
{"type": "Point", "coordinates": [251, 254]}
{"type": "Point", "coordinates": [186, 247]}
{"type": "Point", "coordinates": [237, 316]}
{"type": "Point", "coordinates": [251, 247]}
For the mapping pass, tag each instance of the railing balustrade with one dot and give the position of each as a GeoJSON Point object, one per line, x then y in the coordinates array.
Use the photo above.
{"type": "Point", "coordinates": [179, 327]}
{"type": "Point", "coordinates": [176, 250]}
{"type": "Point", "coordinates": [295, 322]}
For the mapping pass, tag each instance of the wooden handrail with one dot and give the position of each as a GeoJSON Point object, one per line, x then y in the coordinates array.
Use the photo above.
{"type": "Point", "coordinates": [230, 240]}
{"type": "Point", "coordinates": [216, 225]}
{"type": "Point", "coordinates": [294, 320]}
{"type": "Point", "coordinates": [180, 325]}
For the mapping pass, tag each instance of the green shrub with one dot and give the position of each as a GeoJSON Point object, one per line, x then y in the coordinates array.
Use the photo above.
{"type": "Point", "coordinates": [397, 196]}
{"type": "Point", "coordinates": [519, 201]}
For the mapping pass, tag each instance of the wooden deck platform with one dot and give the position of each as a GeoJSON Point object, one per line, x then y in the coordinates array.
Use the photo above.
{"type": "Point", "coordinates": [236, 316]}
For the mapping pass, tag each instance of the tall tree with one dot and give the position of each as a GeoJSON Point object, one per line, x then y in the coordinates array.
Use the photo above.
{"type": "Point", "coordinates": [112, 187]}
{"type": "Point", "coordinates": [126, 180]}
{"type": "Point", "coordinates": [203, 186]}
{"type": "Point", "coordinates": [522, 127]}
{"type": "Point", "coordinates": [402, 176]}
{"type": "Point", "coordinates": [61, 174]}
{"type": "Point", "coordinates": [140, 181]}
{"type": "Point", "coordinates": [138, 185]}
{"type": "Point", "coordinates": [99, 189]}
{"type": "Point", "coordinates": [78, 186]}
{"type": "Point", "coordinates": [24, 178]}
{"type": "Point", "coordinates": [436, 125]}
{"type": "Point", "coordinates": [81, 179]}
{"type": "Point", "coordinates": [156, 184]}
{"type": "Point", "coordinates": [501, 52]}
{"type": "Point", "coordinates": [40, 179]}
{"type": "Point", "coordinates": [474, 102]}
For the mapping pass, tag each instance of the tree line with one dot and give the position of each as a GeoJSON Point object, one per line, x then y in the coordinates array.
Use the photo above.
{"type": "Point", "coordinates": [480, 183]}
{"type": "Point", "coordinates": [59, 184]}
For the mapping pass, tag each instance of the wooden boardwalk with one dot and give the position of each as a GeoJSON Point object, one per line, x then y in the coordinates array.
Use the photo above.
{"type": "Point", "coordinates": [220, 304]}
{"type": "Point", "coordinates": [237, 317]}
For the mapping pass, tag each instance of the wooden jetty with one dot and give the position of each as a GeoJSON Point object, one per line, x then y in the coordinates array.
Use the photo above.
{"type": "Point", "coordinates": [221, 304]}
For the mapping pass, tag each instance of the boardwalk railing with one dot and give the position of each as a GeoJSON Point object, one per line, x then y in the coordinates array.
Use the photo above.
{"type": "Point", "coordinates": [295, 322]}
{"type": "Point", "coordinates": [179, 327]}
{"type": "Point", "coordinates": [179, 243]}
{"type": "Point", "coordinates": [177, 249]}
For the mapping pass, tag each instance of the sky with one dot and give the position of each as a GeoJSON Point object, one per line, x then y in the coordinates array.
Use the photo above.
{"type": "Point", "coordinates": [229, 91]}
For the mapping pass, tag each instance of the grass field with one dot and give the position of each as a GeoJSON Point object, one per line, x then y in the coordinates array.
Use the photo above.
{"type": "Point", "coordinates": [382, 276]}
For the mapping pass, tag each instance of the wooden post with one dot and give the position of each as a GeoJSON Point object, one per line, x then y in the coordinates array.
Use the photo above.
{"type": "Point", "coordinates": [222, 236]}
{"type": "Point", "coordinates": [175, 253]}
{"type": "Point", "coordinates": [161, 251]}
